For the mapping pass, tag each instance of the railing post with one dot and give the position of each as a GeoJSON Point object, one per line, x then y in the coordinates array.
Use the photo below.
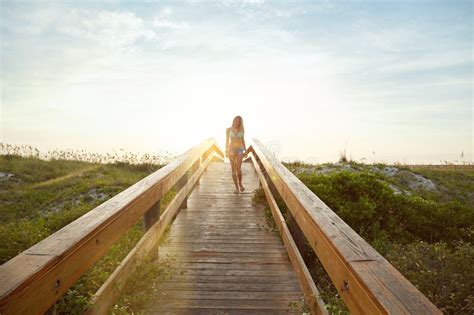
{"type": "Point", "coordinates": [151, 216]}
{"type": "Point", "coordinates": [196, 166]}
{"type": "Point", "coordinates": [180, 184]}
{"type": "Point", "coordinates": [265, 174]}
{"type": "Point", "coordinates": [300, 239]}
{"type": "Point", "coordinates": [184, 179]}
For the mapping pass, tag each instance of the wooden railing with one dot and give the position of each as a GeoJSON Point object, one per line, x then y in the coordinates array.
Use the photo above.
{"type": "Point", "coordinates": [34, 280]}
{"type": "Point", "coordinates": [365, 280]}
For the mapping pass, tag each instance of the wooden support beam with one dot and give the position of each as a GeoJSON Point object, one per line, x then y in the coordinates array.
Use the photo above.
{"type": "Point", "coordinates": [151, 216]}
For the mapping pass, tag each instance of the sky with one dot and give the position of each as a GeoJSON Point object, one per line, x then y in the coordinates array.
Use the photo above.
{"type": "Point", "coordinates": [385, 81]}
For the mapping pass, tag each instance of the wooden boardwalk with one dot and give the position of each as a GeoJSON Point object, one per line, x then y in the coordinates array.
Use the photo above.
{"type": "Point", "coordinates": [224, 257]}
{"type": "Point", "coordinates": [227, 259]}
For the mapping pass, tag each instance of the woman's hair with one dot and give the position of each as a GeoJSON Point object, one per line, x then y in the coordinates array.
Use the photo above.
{"type": "Point", "coordinates": [241, 127]}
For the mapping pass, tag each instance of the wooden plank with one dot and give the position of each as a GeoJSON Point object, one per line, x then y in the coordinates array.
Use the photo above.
{"type": "Point", "coordinates": [227, 311]}
{"type": "Point", "coordinates": [258, 244]}
{"type": "Point", "coordinates": [275, 279]}
{"type": "Point", "coordinates": [220, 234]}
{"type": "Point", "coordinates": [221, 225]}
{"type": "Point", "coordinates": [104, 298]}
{"type": "Point", "coordinates": [230, 304]}
{"type": "Point", "coordinates": [221, 230]}
{"type": "Point", "coordinates": [312, 295]}
{"type": "Point", "coordinates": [233, 266]}
{"type": "Point", "coordinates": [365, 280]}
{"type": "Point", "coordinates": [218, 215]}
{"type": "Point", "coordinates": [229, 259]}
{"type": "Point", "coordinates": [232, 295]}
{"type": "Point", "coordinates": [238, 221]}
{"type": "Point", "coordinates": [211, 254]}
{"type": "Point", "coordinates": [225, 238]}
{"type": "Point", "coordinates": [212, 286]}
{"type": "Point", "coordinates": [285, 272]}
{"type": "Point", "coordinates": [229, 211]}
{"type": "Point", "coordinates": [227, 248]}
{"type": "Point", "coordinates": [37, 277]}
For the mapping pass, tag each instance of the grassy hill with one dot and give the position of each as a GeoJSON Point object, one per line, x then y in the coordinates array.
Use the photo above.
{"type": "Point", "coordinates": [39, 197]}
{"type": "Point", "coordinates": [421, 219]}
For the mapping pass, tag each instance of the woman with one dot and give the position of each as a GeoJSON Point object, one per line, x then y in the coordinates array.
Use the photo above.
{"type": "Point", "coordinates": [235, 151]}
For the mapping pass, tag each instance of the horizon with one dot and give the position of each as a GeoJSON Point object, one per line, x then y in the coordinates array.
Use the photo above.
{"type": "Point", "coordinates": [165, 157]}
{"type": "Point", "coordinates": [382, 80]}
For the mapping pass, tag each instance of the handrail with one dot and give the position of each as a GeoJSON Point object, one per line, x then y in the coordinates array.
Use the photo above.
{"type": "Point", "coordinates": [313, 298]}
{"type": "Point", "coordinates": [365, 280]}
{"type": "Point", "coordinates": [35, 279]}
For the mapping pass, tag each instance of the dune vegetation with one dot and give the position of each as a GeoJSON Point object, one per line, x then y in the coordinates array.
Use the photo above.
{"type": "Point", "coordinates": [420, 218]}
{"type": "Point", "coordinates": [39, 197]}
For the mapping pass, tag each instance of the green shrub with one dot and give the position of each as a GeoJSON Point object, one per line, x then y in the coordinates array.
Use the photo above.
{"type": "Point", "coordinates": [374, 211]}
{"type": "Point", "coordinates": [427, 237]}
{"type": "Point", "coordinates": [445, 274]}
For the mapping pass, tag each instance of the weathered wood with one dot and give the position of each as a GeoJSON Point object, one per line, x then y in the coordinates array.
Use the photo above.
{"type": "Point", "coordinates": [230, 259]}
{"type": "Point", "coordinates": [241, 286]}
{"type": "Point", "coordinates": [240, 279]}
{"type": "Point", "coordinates": [233, 304]}
{"type": "Point", "coordinates": [234, 271]}
{"type": "Point", "coordinates": [233, 266]}
{"type": "Point", "coordinates": [235, 295]}
{"type": "Point", "coordinates": [222, 233]}
{"type": "Point", "coordinates": [278, 256]}
{"type": "Point", "coordinates": [181, 183]}
{"type": "Point", "coordinates": [104, 298]}
{"type": "Point", "coordinates": [313, 298]}
{"type": "Point", "coordinates": [227, 248]}
{"type": "Point", "coordinates": [33, 280]}
{"type": "Point", "coordinates": [151, 216]}
{"type": "Point", "coordinates": [366, 281]}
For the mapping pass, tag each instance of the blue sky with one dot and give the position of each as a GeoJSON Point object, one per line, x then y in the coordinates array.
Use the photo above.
{"type": "Point", "coordinates": [389, 80]}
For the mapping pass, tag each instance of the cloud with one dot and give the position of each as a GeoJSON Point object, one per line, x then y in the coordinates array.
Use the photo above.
{"type": "Point", "coordinates": [29, 20]}
{"type": "Point", "coordinates": [243, 2]}
{"type": "Point", "coordinates": [113, 29]}
{"type": "Point", "coordinates": [164, 21]}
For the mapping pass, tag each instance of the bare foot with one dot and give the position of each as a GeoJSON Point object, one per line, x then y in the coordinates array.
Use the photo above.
{"type": "Point", "coordinates": [236, 191]}
{"type": "Point", "coordinates": [242, 188]}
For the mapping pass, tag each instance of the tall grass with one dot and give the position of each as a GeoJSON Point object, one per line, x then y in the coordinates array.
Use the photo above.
{"type": "Point", "coordinates": [120, 156]}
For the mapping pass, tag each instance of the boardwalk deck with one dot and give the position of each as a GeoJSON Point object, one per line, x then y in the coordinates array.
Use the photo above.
{"type": "Point", "coordinates": [227, 260]}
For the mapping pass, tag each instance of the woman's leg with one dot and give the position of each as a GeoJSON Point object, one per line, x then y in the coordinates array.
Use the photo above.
{"type": "Point", "coordinates": [238, 166]}
{"type": "Point", "coordinates": [232, 160]}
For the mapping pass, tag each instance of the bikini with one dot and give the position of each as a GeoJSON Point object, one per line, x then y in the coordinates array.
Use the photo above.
{"type": "Point", "coordinates": [236, 150]}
